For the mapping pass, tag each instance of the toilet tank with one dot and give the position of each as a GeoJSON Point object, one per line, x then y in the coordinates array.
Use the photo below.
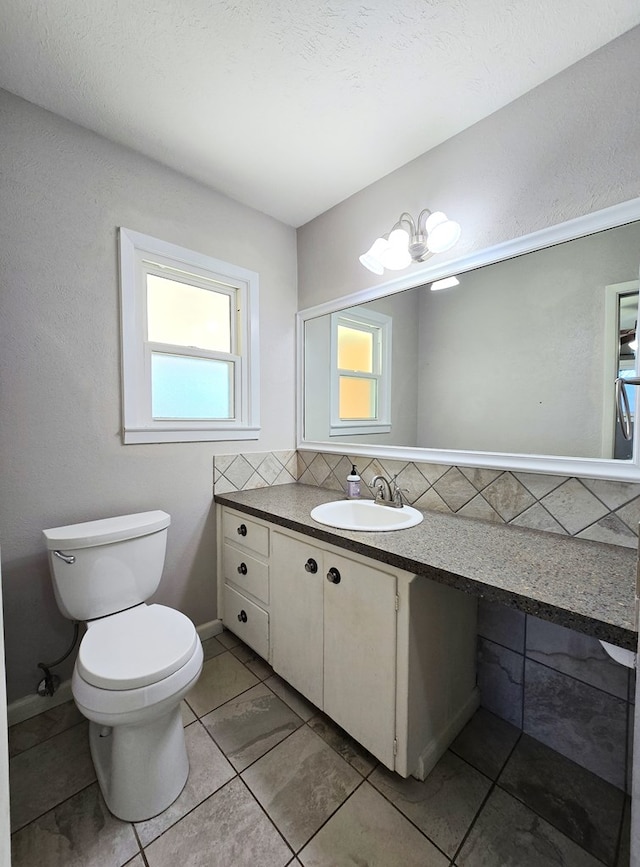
{"type": "Point", "coordinates": [100, 567]}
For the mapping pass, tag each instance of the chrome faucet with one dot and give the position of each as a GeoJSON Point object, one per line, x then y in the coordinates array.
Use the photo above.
{"type": "Point", "coordinates": [395, 497]}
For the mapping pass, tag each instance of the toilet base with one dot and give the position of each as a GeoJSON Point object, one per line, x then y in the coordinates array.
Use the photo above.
{"type": "Point", "coordinates": [141, 769]}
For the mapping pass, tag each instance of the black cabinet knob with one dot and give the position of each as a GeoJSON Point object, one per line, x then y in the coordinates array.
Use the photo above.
{"type": "Point", "coordinates": [242, 568]}
{"type": "Point", "coordinates": [242, 617]}
{"type": "Point", "coordinates": [242, 530]}
{"type": "Point", "coordinates": [333, 575]}
{"type": "Point", "coordinates": [311, 566]}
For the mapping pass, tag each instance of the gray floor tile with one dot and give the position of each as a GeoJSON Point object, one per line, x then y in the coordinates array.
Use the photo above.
{"type": "Point", "coordinates": [227, 639]}
{"type": "Point", "coordinates": [486, 742]}
{"type": "Point", "coordinates": [222, 678]}
{"type": "Point", "coordinates": [584, 807]}
{"type": "Point", "coordinates": [31, 732]}
{"type": "Point", "coordinates": [188, 715]}
{"type": "Point", "coordinates": [136, 862]}
{"type": "Point", "coordinates": [444, 805]}
{"type": "Point", "coordinates": [208, 772]}
{"type": "Point", "coordinates": [78, 833]}
{"type": "Point", "coordinates": [367, 830]}
{"type": "Point", "coordinates": [251, 724]}
{"type": "Point", "coordinates": [229, 828]}
{"type": "Point", "coordinates": [344, 744]}
{"type": "Point", "coordinates": [212, 647]}
{"type": "Point", "coordinates": [256, 664]}
{"type": "Point", "coordinates": [579, 721]}
{"type": "Point", "coordinates": [300, 783]}
{"type": "Point", "coordinates": [508, 834]}
{"type": "Point", "coordinates": [298, 703]}
{"type": "Point", "coordinates": [47, 774]}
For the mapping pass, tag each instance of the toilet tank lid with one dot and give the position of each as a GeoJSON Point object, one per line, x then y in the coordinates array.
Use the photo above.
{"type": "Point", "coordinates": [106, 530]}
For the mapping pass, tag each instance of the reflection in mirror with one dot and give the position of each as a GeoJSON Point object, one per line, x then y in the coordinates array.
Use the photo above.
{"type": "Point", "coordinates": [519, 358]}
{"type": "Point", "coordinates": [626, 296]}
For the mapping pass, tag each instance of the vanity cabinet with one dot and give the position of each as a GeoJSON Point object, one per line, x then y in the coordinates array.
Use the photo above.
{"type": "Point", "coordinates": [334, 637]}
{"type": "Point", "coordinates": [246, 587]}
{"type": "Point", "coordinates": [388, 655]}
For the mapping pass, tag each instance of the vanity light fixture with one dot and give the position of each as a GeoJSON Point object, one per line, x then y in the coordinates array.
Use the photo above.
{"type": "Point", "coordinates": [411, 241]}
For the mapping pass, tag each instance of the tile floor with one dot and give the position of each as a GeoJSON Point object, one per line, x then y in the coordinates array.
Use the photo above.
{"type": "Point", "coordinates": [273, 782]}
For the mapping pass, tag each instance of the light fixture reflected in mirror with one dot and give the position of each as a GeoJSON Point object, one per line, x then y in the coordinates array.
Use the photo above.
{"type": "Point", "coordinates": [445, 283]}
{"type": "Point", "coordinates": [411, 241]}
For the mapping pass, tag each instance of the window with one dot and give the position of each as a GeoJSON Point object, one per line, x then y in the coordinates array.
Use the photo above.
{"type": "Point", "coordinates": [361, 372]}
{"type": "Point", "coordinates": [189, 344]}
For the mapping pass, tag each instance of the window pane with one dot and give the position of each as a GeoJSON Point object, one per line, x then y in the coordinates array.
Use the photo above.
{"type": "Point", "coordinates": [186, 315]}
{"type": "Point", "coordinates": [355, 349]}
{"type": "Point", "coordinates": [357, 398]}
{"type": "Point", "coordinates": [191, 388]}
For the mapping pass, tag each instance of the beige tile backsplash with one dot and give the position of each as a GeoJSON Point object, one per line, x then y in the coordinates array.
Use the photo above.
{"type": "Point", "coordinates": [594, 509]}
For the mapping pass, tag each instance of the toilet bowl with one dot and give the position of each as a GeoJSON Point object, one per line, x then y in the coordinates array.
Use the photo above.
{"type": "Point", "coordinates": [135, 664]}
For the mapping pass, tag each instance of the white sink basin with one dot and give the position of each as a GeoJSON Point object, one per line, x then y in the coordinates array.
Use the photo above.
{"type": "Point", "coordinates": [365, 515]}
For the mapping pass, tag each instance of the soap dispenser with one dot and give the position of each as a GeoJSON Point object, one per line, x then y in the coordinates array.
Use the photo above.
{"type": "Point", "coordinates": [353, 484]}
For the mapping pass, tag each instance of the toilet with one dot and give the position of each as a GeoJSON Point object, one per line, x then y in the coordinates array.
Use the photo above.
{"type": "Point", "coordinates": [136, 661]}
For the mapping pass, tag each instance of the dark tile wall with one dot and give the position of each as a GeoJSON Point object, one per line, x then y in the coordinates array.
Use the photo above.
{"type": "Point", "coordinates": [560, 687]}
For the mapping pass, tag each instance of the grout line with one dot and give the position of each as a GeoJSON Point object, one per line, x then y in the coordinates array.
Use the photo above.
{"type": "Point", "coordinates": [555, 827]}
{"type": "Point", "coordinates": [550, 667]}
{"type": "Point", "coordinates": [55, 807]}
{"type": "Point", "coordinates": [269, 819]}
{"type": "Point", "coordinates": [48, 738]}
{"type": "Point", "coordinates": [330, 816]}
{"type": "Point", "coordinates": [140, 846]}
{"type": "Point", "coordinates": [492, 787]}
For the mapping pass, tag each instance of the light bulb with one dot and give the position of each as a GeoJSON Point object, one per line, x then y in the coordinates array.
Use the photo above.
{"type": "Point", "coordinates": [397, 256]}
{"type": "Point", "coordinates": [372, 258]}
{"type": "Point", "coordinates": [442, 232]}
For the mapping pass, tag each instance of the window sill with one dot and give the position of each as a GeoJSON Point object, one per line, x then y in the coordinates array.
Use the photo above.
{"type": "Point", "coordinates": [132, 436]}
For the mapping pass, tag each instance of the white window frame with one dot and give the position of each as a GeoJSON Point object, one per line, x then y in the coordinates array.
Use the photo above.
{"type": "Point", "coordinates": [380, 325]}
{"type": "Point", "coordinates": [141, 255]}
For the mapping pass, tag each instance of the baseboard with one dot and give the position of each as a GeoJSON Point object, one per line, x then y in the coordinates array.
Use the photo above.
{"type": "Point", "coordinates": [208, 630]}
{"type": "Point", "coordinates": [32, 705]}
{"type": "Point", "coordinates": [437, 747]}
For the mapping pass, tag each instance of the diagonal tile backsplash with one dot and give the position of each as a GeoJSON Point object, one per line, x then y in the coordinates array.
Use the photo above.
{"type": "Point", "coordinates": [595, 509]}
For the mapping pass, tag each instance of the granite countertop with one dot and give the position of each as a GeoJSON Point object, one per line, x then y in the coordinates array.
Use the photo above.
{"type": "Point", "coordinates": [587, 586]}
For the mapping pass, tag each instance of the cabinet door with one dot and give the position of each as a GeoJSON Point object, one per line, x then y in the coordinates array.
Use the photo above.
{"type": "Point", "coordinates": [296, 614]}
{"type": "Point", "coordinates": [360, 653]}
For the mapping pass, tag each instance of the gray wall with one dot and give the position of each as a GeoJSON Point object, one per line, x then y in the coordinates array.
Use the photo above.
{"type": "Point", "coordinates": [567, 148]}
{"type": "Point", "coordinates": [64, 191]}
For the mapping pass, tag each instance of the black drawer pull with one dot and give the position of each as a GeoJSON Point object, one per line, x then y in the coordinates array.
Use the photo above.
{"type": "Point", "coordinates": [311, 566]}
{"type": "Point", "coordinates": [333, 575]}
{"type": "Point", "coordinates": [242, 617]}
{"type": "Point", "coordinates": [242, 568]}
{"type": "Point", "coordinates": [242, 530]}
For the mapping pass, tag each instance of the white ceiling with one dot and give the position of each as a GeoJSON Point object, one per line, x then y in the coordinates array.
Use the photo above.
{"type": "Point", "coordinates": [290, 106]}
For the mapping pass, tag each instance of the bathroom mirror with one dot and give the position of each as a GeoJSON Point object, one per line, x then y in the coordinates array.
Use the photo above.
{"type": "Point", "coordinates": [512, 368]}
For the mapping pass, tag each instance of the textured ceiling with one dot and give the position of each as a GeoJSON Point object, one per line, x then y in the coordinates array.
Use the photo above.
{"type": "Point", "coordinates": [290, 106]}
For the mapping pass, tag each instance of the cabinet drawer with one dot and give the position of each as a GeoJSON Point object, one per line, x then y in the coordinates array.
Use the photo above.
{"type": "Point", "coordinates": [247, 620]}
{"type": "Point", "coordinates": [243, 531]}
{"type": "Point", "coordinates": [248, 573]}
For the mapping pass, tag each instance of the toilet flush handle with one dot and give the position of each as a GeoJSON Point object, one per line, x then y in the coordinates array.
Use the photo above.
{"type": "Point", "coordinates": [68, 558]}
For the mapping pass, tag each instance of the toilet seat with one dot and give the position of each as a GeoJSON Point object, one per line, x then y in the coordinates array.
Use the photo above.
{"type": "Point", "coordinates": [136, 648]}
{"type": "Point", "coordinates": [113, 706]}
